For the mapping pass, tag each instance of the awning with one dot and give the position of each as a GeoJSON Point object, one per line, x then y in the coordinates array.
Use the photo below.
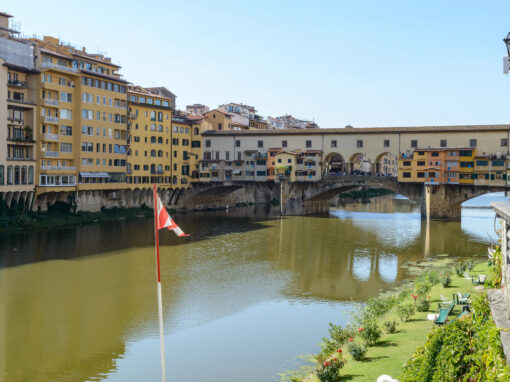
{"type": "Point", "coordinates": [94, 175]}
{"type": "Point", "coordinates": [236, 172]}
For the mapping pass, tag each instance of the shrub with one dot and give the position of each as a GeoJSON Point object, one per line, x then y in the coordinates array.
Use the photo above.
{"type": "Point", "coordinates": [422, 304]}
{"type": "Point", "coordinates": [460, 268]}
{"type": "Point", "coordinates": [340, 335]}
{"type": "Point", "coordinates": [404, 293]}
{"type": "Point", "coordinates": [468, 349]}
{"type": "Point", "coordinates": [494, 279]}
{"type": "Point", "coordinates": [446, 279]}
{"type": "Point", "coordinates": [432, 277]}
{"type": "Point", "coordinates": [405, 311]}
{"type": "Point", "coordinates": [390, 327]}
{"type": "Point", "coordinates": [357, 351]}
{"type": "Point", "coordinates": [423, 288]}
{"type": "Point", "coordinates": [370, 331]}
{"type": "Point", "coordinates": [470, 265]}
{"type": "Point", "coordinates": [328, 371]}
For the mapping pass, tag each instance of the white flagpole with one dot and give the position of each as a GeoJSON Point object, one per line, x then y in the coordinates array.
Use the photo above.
{"type": "Point", "coordinates": [160, 300]}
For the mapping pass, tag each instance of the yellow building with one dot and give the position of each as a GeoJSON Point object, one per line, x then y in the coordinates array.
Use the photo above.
{"type": "Point", "coordinates": [285, 165]}
{"type": "Point", "coordinates": [149, 139]}
{"type": "Point", "coordinates": [466, 158]}
{"type": "Point", "coordinates": [186, 146]}
{"type": "Point", "coordinates": [82, 122]}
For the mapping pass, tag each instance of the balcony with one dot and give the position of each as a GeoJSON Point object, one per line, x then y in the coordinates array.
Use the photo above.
{"type": "Point", "coordinates": [24, 159]}
{"type": "Point", "coordinates": [67, 168]}
{"type": "Point", "coordinates": [53, 154]}
{"type": "Point", "coordinates": [18, 84]}
{"type": "Point", "coordinates": [48, 119]}
{"type": "Point", "coordinates": [51, 65]}
{"type": "Point", "coordinates": [51, 102]}
{"type": "Point", "coordinates": [21, 101]}
{"type": "Point", "coordinates": [21, 139]}
{"type": "Point", "coordinates": [50, 137]}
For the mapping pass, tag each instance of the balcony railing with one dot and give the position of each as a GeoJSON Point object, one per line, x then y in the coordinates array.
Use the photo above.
{"type": "Point", "coordinates": [51, 137]}
{"type": "Point", "coordinates": [21, 139]}
{"type": "Point", "coordinates": [68, 168]}
{"type": "Point", "coordinates": [51, 65]}
{"type": "Point", "coordinates": [53, 154]}
{"type": "Point", "coordinates": [19, 84]}
{"type": "Point", "coordinates": [51, 119]}
{"type": "Point", "coordinates": [24, 159]}
{"type": "Point", "coordinates": [52, 102]}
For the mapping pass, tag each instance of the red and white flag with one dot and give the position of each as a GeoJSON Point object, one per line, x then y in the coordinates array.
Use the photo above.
{"type": "Point", "coordinates": [165, 221]}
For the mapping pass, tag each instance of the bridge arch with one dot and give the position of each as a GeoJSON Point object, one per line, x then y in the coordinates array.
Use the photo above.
{"type": "Point", "coordinates": [360, 164]}
{"type": "Point", "coordinates": [334, 164]}
{"type": "Point", "coordinates": [385, 164]}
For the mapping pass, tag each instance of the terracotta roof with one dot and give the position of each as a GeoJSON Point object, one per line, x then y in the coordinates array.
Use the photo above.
{"type": "Point", "coordinates": [313, 151]}
{"type": "Point", "coordinates": [6, 15]}
{"type": "Point", "coordinates": [56, 54]}
{"type": "Point", "coordinates": [92, 73]}
{"type": "Point", "coordinates": [365, 130]}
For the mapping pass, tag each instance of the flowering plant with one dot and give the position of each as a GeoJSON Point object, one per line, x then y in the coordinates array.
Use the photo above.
{"type": "Point", "coordinates": [328, 371]}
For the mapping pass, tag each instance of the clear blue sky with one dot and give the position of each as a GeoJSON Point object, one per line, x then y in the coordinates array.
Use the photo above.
{"type": "Point", "coordinates": [364, 63]}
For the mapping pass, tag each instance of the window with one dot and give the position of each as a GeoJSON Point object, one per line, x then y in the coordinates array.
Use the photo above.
{"type": "Point", "coordinates": [421, 175]}
{"type": "Point", "coordinates": [308, 143]}
{"type": "Point", "coordinates": [260, 144]}
{"type": "Point", "coordinates": [406, 174]}
{"type": "Point", "coordinates": [465, 153]}
{"type": "Point", "coordinates": [227, 155]}
{"type": "Point", "coordinates": [207, 143]}
{"type": "Point", "coordinates": [284, 143]}
{"type": "Point", "coordinates": [66, 130]}
{"type": "Point", "coordinates": [66, 114]}
{"type": "Point", "coordinates": [66, 97]}
{"type": "Point", "coordinates": [482, 163]}
{"type": "Point", "coordinates": [220, 126]}
{"type": "Point", "coordinates": [443, 143]}
{"type": "Point", "coordinates": [386, 143]}
{"type": "Point", "coordinates": [66, 147]}
{"type": "Point", "coordinates": [2, 175]}
{"type": "Point", "coordinates": [238, 143]}
{"type": "Point", "coordinates": [334, 143]}
{"type": "Point", "coordinates": [406, 163]}
{"type": "Point", "coordinates": [504, 142]}
{"type": "Point", "coordinates": [421, 163]}
{"type": "Point", "coordinates": [359, 143]}
{"type": "Point", "coordinates": [414, 143]}
{"type": "Point", "coordinates": [434, 154]}
{"type": "Point", "coordinates": [472, 143]}
{"type": "Point", "coordinates": [87, 114]}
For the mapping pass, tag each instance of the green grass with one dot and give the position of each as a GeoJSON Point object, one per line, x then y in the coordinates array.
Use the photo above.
{"type": "Point", "coordinates": [393, 350]}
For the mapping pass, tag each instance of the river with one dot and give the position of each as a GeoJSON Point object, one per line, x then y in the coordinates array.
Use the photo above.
{"type": "Point", "coordinates": [243, 296]}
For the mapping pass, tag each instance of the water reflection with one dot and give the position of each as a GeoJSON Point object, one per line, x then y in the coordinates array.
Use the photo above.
{"type": "Point", "coordinates": [79, 304]}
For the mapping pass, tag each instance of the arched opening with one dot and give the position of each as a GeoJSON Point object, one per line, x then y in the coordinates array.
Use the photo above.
{"type": "Point", "coordinates": [335, 164]}
{"type": "Point", "coordinates": [386, 164]}
{"type": "Point", "coordinates": [360, 164]}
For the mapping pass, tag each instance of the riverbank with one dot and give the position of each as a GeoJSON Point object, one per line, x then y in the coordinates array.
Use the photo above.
{"type": "Point", "coordinates": [392, 351]}
{"type": "Point", "coordinates": [61, 215]}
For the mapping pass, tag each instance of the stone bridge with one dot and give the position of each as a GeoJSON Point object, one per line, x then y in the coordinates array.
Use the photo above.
{"type": "Point", "coordinates": [437, 202]}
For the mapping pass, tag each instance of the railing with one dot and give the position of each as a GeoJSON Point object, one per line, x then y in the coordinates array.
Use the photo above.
{"type": "Point", "coordinates": [51, 119]}
{"type": "Point", "coordinates": [68, 168]}
{"type": "Point", "coordinates": [21, 139]}
{"type": "Point", "coordinates": [52, 102]}
{"type": "Point", "coordinates": [156, 172]}
{"type": "Point", "coordinates": [24, 159]}
{"type": "Point", "coordinates": [53, 154]}
{"type": "Point", "coordinates": [51, 137]}
{"type": "Point", "coordinates": [51, 65]}
{"type": "Point", "coordinates": [19, 84]}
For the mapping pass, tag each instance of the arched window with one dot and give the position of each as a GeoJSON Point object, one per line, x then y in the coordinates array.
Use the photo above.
{"type": "Point", "coordinates": [153, 127]}
{"type": "Point", "coordinates": [129, 152]}
{"type": "Point", "coordinates": [160, 169]}
{"type": "Point", "coordinates": [153, 115]}
{"type": "Point", "coordinates": [160, 116]}
{"type": "Point", "coordinates": [24, 175]}
{"type": "Point", "coordinates": [153, 153]}
{"type": "Point", "coordinates": [160, 128]}
{"type": "Point", "coordinates": [153, 168]}
{"type": "Point", "coordinates": [9, 175]}
{"type": "Point", "coordinates": [174, 179]}
{"type": "Point", "coordinates": [153, 139]}
{"type": "Point", "coordinates": [160, 140]}
{"type": "Point", "coordinates": [197, 131]}
{"type": "Point", "coordinates": [160, 153]}
{"type": "Point", "coordinates": [30, 175]}
{"type": "Point", "coordinates": [136, 153]}
{"type": "Point", "coordinates": [128, 168]}
{"type": "Point", "coordinates": [2, 175]}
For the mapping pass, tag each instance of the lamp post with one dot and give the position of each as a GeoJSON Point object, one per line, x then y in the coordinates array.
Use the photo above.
{"type": "Point", "coordinates": [506, 59]}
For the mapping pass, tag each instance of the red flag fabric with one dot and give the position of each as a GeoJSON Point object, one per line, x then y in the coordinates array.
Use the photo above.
{"type": "Point", "coordinates": [165, 221]}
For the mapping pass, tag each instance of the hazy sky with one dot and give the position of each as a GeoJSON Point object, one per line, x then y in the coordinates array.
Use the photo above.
{"type": "Point", "coordinates": [363, 63]}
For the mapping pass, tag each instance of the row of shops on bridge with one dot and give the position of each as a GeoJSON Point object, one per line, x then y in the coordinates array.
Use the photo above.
{"type": "Point", "coordinates": [454, 166]}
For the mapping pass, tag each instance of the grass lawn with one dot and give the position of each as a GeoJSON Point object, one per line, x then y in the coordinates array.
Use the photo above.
{"type": "Point", "coordinates": [393, 350]}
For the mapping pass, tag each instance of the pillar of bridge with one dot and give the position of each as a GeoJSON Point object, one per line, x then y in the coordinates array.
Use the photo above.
{"type": "Point", "coordinates": [438, 204]}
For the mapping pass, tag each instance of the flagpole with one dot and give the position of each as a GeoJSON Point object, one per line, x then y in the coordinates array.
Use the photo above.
{"type": "Point", "coordinates": [160, 300]}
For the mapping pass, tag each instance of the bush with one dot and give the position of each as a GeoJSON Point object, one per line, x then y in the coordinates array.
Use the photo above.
{"type": "Point", "coordinates": [422, 304]}
{"type": "Point", "coordinates": [431, 277]}
{"type": "Point", "coordinates": [405, 311]}
{"type": "Point", "coordinates": [468, 349]}
{"type": "Point", "coordinates": [446, 279]}
{"type": "Point", "coordinates": [329, 370]}
{"type": "Point", "coordinates": [460, 268]}
{"type": "Point", "coordinates": [470, 265]}
{"type": "Point", "coordinates": [390, 327]}
{"type": "Point", "coordinates": [494, 279]}
{"type": "Point", "coordinates": [423, 288]}
{"type": "Point", "coordinates": [340, 335]}
{"type": "Point", "coordinates": [357, 351]}
{"type": "Point", "coordinates": [370, 331]}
